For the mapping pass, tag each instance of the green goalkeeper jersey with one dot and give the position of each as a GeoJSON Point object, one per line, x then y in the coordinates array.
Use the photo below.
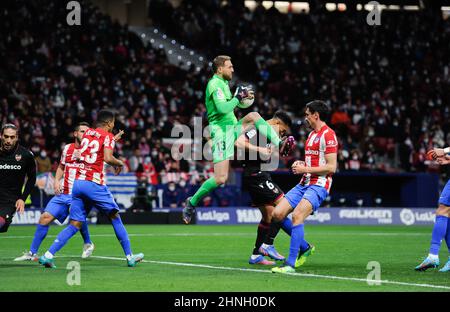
{"type": "Point", "coordinates": [220, 103]}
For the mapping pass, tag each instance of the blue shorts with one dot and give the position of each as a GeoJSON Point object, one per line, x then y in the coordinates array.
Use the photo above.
{"type": "Point", "coordinates": [86, 195]}
{"type": "Point", "coordinates": [445, 195]}
{"type": "Point", "coordinates": [59, 206]}
{"type": "Point", "coordinates": [313, 193]}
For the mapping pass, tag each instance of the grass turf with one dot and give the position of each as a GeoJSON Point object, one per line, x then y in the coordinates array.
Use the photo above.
{"type": "Point", "coordinates": [342, 251]}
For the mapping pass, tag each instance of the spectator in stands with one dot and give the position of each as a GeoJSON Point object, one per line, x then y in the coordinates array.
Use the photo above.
{"type": "Point", "coordinates": [43, 163]}
{"type": "Point", "coordinates": [172, 197]}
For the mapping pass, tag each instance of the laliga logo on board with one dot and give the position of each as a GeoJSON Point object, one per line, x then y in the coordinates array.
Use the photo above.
{"type": "Point", "coordinates": [320, 217]}
{"type": "Point", "coordinates": [408, 217]}
{"type": "Point", "coordinates": [213, 216]}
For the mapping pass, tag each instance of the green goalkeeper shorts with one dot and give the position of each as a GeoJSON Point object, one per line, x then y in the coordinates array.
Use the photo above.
{"type": "Point", "coordinates": [223, 139]}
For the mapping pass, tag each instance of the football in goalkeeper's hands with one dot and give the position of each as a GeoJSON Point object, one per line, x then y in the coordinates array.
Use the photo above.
{"type": "Point", "coordinates": [247, 101]}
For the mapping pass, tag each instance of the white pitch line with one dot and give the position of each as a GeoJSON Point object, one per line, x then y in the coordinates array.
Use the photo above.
{"type": "Point", "coordinates": [268, 271]}
{"type": "Point", "coordinates": [233, 234]}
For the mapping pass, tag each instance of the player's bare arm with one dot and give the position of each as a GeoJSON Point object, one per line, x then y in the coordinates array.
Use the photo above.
{"type": "Point", "coordinates": [113, 161]}
{"type": "Point", "coordinates": [58, 176]}
{"type": "Point", "coordinates": [299, 167]}
{"type": "Point", "coordinates": [243, 143]}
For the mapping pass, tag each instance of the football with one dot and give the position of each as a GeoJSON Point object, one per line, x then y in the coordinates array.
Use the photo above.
{"type": "Point", "coordinates": [247, 102]}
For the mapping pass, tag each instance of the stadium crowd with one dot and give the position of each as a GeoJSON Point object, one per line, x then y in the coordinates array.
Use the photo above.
{"type": "Point", "coordinates": [386, 89]}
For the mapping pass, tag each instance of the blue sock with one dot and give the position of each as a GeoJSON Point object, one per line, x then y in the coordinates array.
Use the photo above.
{"type": "Point", "coordinates": [39, 236]}
{"type": "Point", "coordinates": [297, 236]}
{"type": "Point", "coordinates": [286, 225]}
{"type": "Point", "coordinates": [62, 238]}
{"type": "Point", "coordinates": [122, 235]}
{"type": "Point", "coordinates": [85, 233]}
{"type": "Point", "coordinates": [439, 231]}
{"type": "Point", "coordinates": [447, 236]}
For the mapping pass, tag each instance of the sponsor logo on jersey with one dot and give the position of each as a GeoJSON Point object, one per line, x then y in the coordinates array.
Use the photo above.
{"type": "Point", "coordinates": [220, 94]}
{"type": "Point", "coordinates": [311, 152]}
{"type": "Point", "coordinates": [10, 167]}
{"type": "Point", "coordinates": [18, 157]}
{"type": "Point", "coordinates": [251, 133]}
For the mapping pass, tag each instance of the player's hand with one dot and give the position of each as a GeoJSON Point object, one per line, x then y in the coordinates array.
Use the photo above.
{"type": "Point", "coordinates": [443, 160]}
{"type": "Point", "coordinates": [57, 188]}
{"type": "Point", "coordinates": [298, 167]}
{"type": "Point", "coordinates": [265, 152]}
{"type": "Point", "coordinates": [20, 206]}
{"type": "Point", "coordinates": [243, 93]}
{"type": "Point", "coordinates": [117, 170]}
{"type": "Point", "coordinates": [76, 155]}
{"type": "Point", "coordinates": [438, 152]}
{"type": "Point", "coordinates": [118, 136]}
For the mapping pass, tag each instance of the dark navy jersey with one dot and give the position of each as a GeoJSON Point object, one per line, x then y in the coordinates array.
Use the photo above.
{"type": "Point", "coordinates": [15, 165]}
{"type": "Point", "coordinates": [253, 161]}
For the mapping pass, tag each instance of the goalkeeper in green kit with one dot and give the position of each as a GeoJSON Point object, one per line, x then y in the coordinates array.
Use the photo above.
{"type": "Point", "coordinates": [225, 128]}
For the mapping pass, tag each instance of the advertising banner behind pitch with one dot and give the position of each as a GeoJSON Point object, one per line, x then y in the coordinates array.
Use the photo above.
{"type": "Point", "coordinates": [338, 216]}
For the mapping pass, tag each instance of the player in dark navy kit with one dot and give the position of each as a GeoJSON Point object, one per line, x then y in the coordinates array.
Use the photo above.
{"type": "Point", "coordinates": [16, 163]}
{"type": "Point", "coordinates": [265, 193]}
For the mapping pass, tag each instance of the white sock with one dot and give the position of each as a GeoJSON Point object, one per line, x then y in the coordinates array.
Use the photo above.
{"type": "Point", "coordinates": [129, 257]}
{"type": "Point", "coordinates": [433, 257]}
{"type": "Point", "coordinates": [48, 255]}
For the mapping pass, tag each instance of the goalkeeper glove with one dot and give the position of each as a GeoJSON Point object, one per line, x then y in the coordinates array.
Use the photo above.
{"type": "Point", "coordinates": [243, 92]}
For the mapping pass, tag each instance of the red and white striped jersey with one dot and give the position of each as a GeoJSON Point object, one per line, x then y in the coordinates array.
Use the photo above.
{"type": "Point", "coordinates": [318, 144]}
{"type": "Point", "coordinates": [92, 155]}
{"type": "Point", "coordinates": [70, 168]}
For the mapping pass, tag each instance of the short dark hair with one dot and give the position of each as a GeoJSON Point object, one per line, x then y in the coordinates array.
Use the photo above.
{"type": "Point", "coordinates": [284, 117]}
{"type": "Point", "coordinates": [320, 107]}
{"type": "Point", "coordinates": [105, 115]}
{"type": "Point", "coordinates": [10, 126]}
{"type": "Point", "coordinates": [220, 61]}
{"type": "Point", "coordinates": [82, 123]}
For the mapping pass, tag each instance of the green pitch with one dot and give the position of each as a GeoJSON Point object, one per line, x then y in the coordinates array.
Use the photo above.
{"type": "Point", "coordinates": [214, 258]}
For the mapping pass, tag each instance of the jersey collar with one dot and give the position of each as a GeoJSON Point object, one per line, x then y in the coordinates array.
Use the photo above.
{"type": "Point", "coordinates": [218, 77]}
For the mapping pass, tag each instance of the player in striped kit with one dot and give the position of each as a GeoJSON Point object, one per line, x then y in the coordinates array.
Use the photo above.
{"type": "Point", "coordinates": [58, 206]}
{"type": "Point", "coordinates": [90, 190]}
{"type": "Point", "coordinates": [306, 197]}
